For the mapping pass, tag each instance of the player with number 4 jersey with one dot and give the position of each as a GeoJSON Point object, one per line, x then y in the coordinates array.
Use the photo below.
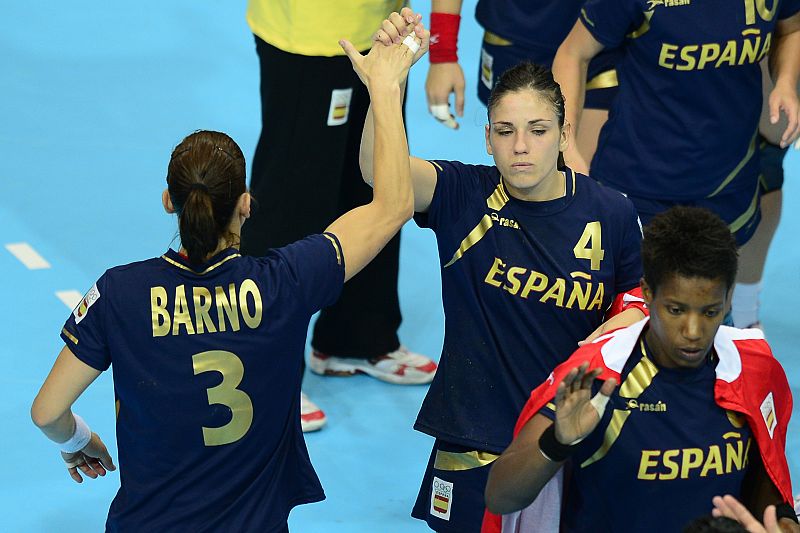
{"type": "Point", "coordinates": [532, 256]}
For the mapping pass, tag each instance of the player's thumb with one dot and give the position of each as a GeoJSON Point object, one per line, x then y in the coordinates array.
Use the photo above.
{"type": "Point", "coordinates": [350, 51]}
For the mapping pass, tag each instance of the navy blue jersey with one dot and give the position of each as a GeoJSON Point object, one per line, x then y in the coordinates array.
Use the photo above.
{"type": "Point", "coordinates": [539, 26]}
{"type": "Point", "coordinates": [684, 123]}
{"type": "Point", "coordinates": [207, 364]}
{"type": "Point", "coordinates": [522, 283]}
{"type": "Point", "coordinates": [663, 447]}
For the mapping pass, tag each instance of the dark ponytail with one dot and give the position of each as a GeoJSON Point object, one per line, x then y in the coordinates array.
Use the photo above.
{"type": "Point", "coordinates": [205, 178]}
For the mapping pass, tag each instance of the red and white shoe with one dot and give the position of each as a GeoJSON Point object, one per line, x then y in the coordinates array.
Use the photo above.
{"type": "Point", "coordinates": [401, 366]}
{"type": "Point", "coordinates": [311, 416]}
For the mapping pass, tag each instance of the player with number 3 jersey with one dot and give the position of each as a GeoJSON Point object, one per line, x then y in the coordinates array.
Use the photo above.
{"type": "Point", "coordinates": [207, 345]}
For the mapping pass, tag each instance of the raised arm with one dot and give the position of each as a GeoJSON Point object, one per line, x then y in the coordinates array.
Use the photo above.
{"type": "Point", "coordinates": [365, 230]}
{"type": "Point", "coordinates": [423, 174]}
{"type": "Point", "coordinates": [541, 447]}
{"type": "Point", "coordinates": [569, 70]}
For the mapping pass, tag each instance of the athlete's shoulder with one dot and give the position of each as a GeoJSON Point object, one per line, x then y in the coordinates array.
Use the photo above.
{"type": "Point", "coordinates": [597, 192]}
{"type": "Point", "coordinates": [457, 167]}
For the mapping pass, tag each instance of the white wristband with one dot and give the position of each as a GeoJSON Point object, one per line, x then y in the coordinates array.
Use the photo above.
{"type": "Point", "coordinates": [412, 44]}
{"type": "Point", "coordinates": [79, 439]}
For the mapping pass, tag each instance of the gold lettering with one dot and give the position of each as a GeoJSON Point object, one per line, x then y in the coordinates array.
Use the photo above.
{"type": "Point", "coordinates": [251, 319]}
{"type": "Point", "coordinates": [226, 306]}
{"type": "Point", "coordinates": [667, 53]}
{"type": "Point", "coordinates": [180, 314]}
{"type": "Point", "coordinates": [686, 55]}
{"type": "Point", "coordinates": [536, 282]}
{"type": "Point", "coordinates": [767, 46]}
{"type": "Point", "coordinates": [747, 453]}
{"type": "Point", "coordinates": [598, 297]}
{"type": "Point", "coordinates": [649, 459]}
{"type": "Point", "coordinates": [767, 14]}
{"type": "Point", "coordinates": [708, 53]}
{"type": "Point", "coordinates": [749, 12]}
{"type": "Point", "coordinates": [493, 272]}
{"type": "Point", "coordinates": [692, 458]}
{"type": "Point", "coordinates": [728, 55]}
{"type": "Point", "coordinates": [578, 294]}
{"type": "Point", "coordinates": [202, 306]}
{"type": "Point", "coordinates": [158, 310]}
{"type": "Point", "coordinates": [733, 457]}
{"type": "Point", "coordinates": [512, 278]}
{"type": "Point", "coordinates": [671, 464]}
{"type": "Point", "coordinates": [556, 292]}
{"type": "Point", "coordinates": [713, 461]}
{"type": "Point", "coordinates": [750, 50]}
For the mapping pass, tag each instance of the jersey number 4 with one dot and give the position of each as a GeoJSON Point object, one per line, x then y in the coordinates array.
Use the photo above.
{"type": "Point", "coordinates": [590, 245]}
{"type": "Point", "coordinates": [226, 393]}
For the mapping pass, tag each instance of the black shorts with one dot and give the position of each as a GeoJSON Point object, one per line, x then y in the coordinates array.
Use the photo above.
{"type": "Point", "coordinates": [451, 496]}
{"type": "Point", "coordinates": [498, 55]}
{"type": "Point", "coordinates": [771, 164]}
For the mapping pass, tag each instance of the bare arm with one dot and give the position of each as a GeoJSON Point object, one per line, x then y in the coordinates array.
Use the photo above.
{"type": "Point", "coordinates": [423, 174]}
{"type": "Point", "coordinates": [521, 471]}
{"type": "Point", "coordinates": [570, 66]}
{"type": "Point", "coordinates": [785, 70]}
{"type": "Point", "coordinates": [52, 413]}
{"type": "Point", "coordinates": [365, 230]}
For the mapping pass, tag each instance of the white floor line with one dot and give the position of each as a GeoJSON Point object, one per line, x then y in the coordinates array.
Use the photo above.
{"type": "Point", "coordinates": [27, 255]}
{"type": "Point", "coordinates": [70, 298]}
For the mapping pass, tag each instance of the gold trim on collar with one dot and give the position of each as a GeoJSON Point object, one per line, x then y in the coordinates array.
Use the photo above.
{"type": "Point", "coordinates": [204, 272]}
{"type": "Point", "coordinates": [604, 80]}
{"type": "Point", "coordinates": [634, 385]}
{"type": "Point", "coordinates": [750, 151]}
{"type": "Point", "coordinates": [69, 335]}
{"type": "Point", "coordinates": [462, 461]}
{"type": "Point", "coordinates": [494, 39]}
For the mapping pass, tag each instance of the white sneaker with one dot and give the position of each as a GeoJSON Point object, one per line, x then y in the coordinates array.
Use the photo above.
{"type": "Point", "coordinates": [311, 416]}
{"type": "Point", "coordinates": [401, 366]}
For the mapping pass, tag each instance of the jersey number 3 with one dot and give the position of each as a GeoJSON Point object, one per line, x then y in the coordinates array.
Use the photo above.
{"type": "Point", "coordinates": [226, 393]}
{"type": "Point", "coordinates": [590, 245]}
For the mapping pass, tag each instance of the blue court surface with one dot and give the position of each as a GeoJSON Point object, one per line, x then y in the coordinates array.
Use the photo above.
{"type": "Point", "coordinates": [93, 97]}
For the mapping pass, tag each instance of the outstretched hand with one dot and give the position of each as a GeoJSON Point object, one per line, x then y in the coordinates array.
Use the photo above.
{"type": "Point", "coordinates": [93, 460]}
{"type": "Point", "coordinates": [577, 412]}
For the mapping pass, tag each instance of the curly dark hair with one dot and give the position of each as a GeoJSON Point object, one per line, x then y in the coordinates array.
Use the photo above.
{"type": "Point", "coordinates": [691, 242]}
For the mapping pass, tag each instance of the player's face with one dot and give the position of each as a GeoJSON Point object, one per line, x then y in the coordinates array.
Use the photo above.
{"type": "Point", "coordinates": [524, 138]}
{"type": "Point", "coordinates": [685, 314]}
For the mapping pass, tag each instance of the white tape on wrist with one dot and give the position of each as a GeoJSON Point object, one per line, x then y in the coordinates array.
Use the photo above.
{"type": "Point", "coordinates": [79, 439]}
{"type": "Point", "coordinates": [412, 44]}
{"type": "Point", "coordinates": [441, 112]}
{"type": "Point", "coordinates": [599, 402]}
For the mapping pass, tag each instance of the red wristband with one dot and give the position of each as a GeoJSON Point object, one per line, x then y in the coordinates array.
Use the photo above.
{"type": "Point", "coordinates": [444, 38]}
